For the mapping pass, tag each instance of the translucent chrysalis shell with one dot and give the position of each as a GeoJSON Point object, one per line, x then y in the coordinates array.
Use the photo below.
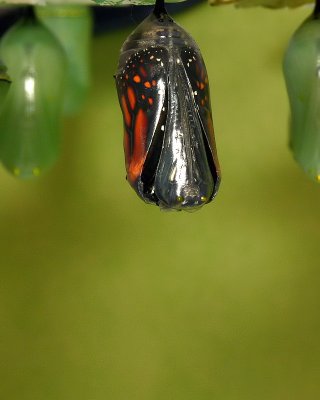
{"type": "Point", "coordinates": [72, 25]}
{"type": "Point", "coordinates": [163, 89]}
{"type": "Point", "coordinates": [31, 114]}
{"type": "Point", "coordinates": [302, 75]}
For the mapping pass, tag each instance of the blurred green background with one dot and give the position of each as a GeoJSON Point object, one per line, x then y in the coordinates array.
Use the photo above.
{"type": "Point", "coordinates": [104, 297]}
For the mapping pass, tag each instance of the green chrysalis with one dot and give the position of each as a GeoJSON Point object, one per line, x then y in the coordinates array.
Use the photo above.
{"type": "Point", "coordinates": [72, 25]}
{"type": "Point", "coordinates": [302, 75]}
{"type": "Point", "coordinates": [30, 119]}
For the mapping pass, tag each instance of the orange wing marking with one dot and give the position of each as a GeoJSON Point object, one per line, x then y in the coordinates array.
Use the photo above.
{"type": "Point", "coordinates": [126, 114]}
{"type": "Point", "coordinates": [126, 145]}
{"type": "Point", "coordinates": [131, 97]}
{"type": "Point", "coordinates": [143, 72]}
{"type": "Point", "coordinates": [139, 148]}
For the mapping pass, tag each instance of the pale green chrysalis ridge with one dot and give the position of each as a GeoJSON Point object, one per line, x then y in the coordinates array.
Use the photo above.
{"type": "Point", "coordinates": [302, 75]}
{"type": "Point", "coordinates": [30, 120]}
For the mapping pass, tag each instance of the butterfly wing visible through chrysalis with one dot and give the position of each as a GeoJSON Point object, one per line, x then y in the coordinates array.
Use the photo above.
{"type": "Point", "coordinates": [197, 76]}
{"type": "Point", "coordinates": [142, 91]}
{"type": "Point", "coordinates": [169, 142]}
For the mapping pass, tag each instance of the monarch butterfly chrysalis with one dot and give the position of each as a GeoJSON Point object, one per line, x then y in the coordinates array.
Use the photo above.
{"type": "Point", "coordinates": [302, 75]}
{"type": "Point", "coordinates": [72, 25]}
{"type": "Point", "coordinates": [31, 114]}
{"type": "Point", "coordinates": [163, 90]}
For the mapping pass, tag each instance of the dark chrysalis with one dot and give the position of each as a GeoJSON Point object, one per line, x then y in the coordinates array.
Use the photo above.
{"type": "Point", "coordinates": [163, 90]}
{"type": "Point", "coordinates": [302, 75]}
